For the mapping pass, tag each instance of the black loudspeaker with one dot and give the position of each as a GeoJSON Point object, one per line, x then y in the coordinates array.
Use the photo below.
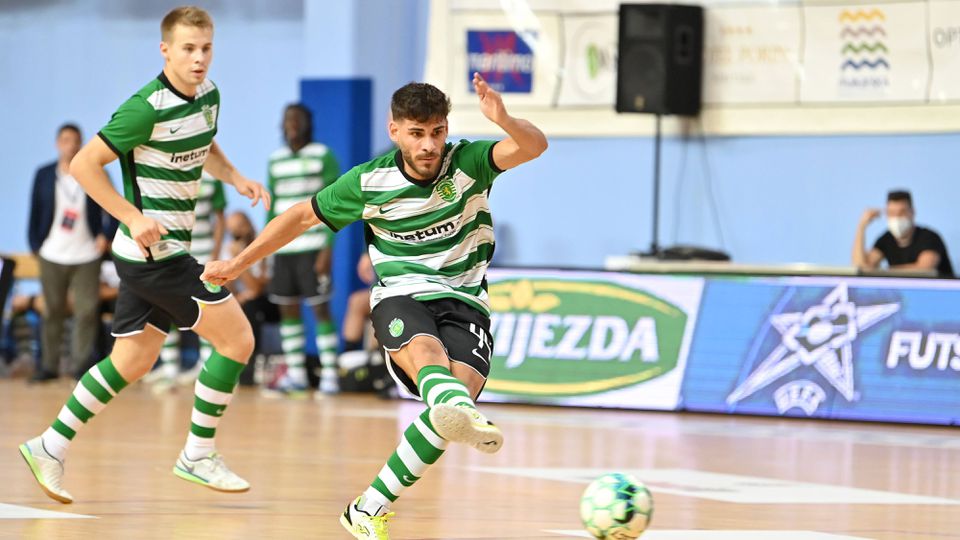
{"type": "Point", "coordinates": [660, 62]}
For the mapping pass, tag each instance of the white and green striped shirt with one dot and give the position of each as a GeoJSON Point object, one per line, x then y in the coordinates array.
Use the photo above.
{"type": "Point", "coordinates": [211, 199]}
{"type": "Point", "coordinates": [428, 239]}
{"type": "Point", "coordinates": [294, 177]}
{"type": "Point", "coordinates": [162, 138]}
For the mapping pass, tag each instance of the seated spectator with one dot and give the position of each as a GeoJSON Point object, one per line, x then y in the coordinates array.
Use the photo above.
{"type": "Point", "coordinates": [905, 246]}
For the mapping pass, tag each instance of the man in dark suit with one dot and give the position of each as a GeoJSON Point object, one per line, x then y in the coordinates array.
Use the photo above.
{"type": "Point", "coordinates": [67, 234]}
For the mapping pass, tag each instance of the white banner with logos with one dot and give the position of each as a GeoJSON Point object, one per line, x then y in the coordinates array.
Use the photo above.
{"type": "Point", "coordinates": [944, 45]}
{"type": "Point", "coordinates": [509, 59]}
{"type": "Point", "coordinates": [589, 69]}
{"type": "Point", "coordinates": [864, 54]}
{"type": "Point", "coordinates": [751, 55]}
{"type": "Point", "coordinates": [816, 67]}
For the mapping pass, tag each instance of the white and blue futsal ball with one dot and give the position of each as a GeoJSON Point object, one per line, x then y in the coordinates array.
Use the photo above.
{"type": "Point", "coordinates": [616, 506]}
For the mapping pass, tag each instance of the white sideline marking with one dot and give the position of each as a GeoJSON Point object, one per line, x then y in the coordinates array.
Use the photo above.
{"type": "Point", "coordinates": [12, 511]}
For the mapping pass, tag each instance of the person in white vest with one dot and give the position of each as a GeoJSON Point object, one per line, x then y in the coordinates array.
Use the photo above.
{"type": "Point", "coordinates": [67, 235]}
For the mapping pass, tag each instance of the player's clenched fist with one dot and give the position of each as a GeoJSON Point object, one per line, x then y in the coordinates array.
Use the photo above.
{"type": "Point", "coordinates": [218, 272]}
{"type": "Point", "coordinates": [145, 232]}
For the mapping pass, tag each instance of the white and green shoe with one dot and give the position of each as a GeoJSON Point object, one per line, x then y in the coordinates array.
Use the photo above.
{"type": "Point", "coordinates": [364, 526]}
{"type": "Point", "coordinates": [458, 423]}
{"type": "Point", "coordinates": [329, 381]}
{"type": "Point", "coordinates": [47, 469]}
{"type": "Point", "coordinates": [210, 471]}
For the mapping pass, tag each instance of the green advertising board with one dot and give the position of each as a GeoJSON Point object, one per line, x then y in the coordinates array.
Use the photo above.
{"type": "Point", "coordinates": [563, 335]}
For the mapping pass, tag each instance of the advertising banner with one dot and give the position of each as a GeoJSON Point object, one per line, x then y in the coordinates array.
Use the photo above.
{"type": "Point", "coordinates": [589, 61]}
{"type": "Point", "coordinates": [751, 55]}
{"type": "Point", "coordinates": [840, 347]}
{"type": "Point", "coordinates": [944, 46]}
{"type": "Point", "coordinates": [804, 66]}
{"type": "Point", "coordinates": [519, 61]}
{"type": "Point", "coordinates": [590, 338]}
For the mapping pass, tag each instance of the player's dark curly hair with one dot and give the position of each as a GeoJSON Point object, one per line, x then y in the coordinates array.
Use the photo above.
{"type": "Point", "coordinates": [419, 102]}
{"type": "Point", "coordinates": [307, 117]}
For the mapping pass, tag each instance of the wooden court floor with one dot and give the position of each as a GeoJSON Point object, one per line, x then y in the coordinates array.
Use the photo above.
{"type": "Point", "coordinates": [713, 477]}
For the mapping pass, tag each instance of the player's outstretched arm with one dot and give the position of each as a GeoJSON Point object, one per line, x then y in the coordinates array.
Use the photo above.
{"type": "Point", "coordinates": [278, 232]}
{"type": "Point", "coordinates": [525, 141]}
{"type": "Point", "coordinates": [87, 169]}
{"type": "Point", "coordinates": [220, 168]}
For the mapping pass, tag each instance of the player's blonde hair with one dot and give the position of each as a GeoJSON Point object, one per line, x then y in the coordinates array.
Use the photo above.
{"type": "Point", "coordinates": [187, 16]}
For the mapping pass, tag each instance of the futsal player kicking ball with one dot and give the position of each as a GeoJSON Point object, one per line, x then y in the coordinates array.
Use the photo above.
{"type": "Point", "coordinates": [431, 240]}
{"type": "Point", "coordinates": [163, 136]}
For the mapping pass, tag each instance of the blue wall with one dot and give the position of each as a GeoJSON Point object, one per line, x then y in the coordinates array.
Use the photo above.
{"type": "Point", "coordinates": [72, 60]}
{"type": "Point", "coordinates": [777, 199]}
{"type": "Point", "coordinates": [78, 61]}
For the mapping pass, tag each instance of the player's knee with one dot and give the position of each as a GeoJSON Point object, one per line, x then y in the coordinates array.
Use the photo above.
{"type": "Point", "coordinates": [246, 342]}
{"type": "Point", "coordinates": [426, 350]}
{"type": "Point", "coordinates": [236, 346]}
{"type": "Point", "coordinates": [131, 364]}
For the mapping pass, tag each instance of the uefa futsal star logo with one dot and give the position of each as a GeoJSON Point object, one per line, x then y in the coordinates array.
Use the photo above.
{"type": "Point", "coordinates": [821, 337]}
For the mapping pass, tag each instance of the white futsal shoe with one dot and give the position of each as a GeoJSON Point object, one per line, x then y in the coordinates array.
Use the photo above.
{"type": "Point", "coordinates": [467, 425]}
{"type": "Point", "coordinates": [47, 469]}
{"type": "Point", "coordinates": [210, 471]}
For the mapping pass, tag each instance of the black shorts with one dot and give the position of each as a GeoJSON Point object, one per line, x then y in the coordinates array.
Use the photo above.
{"type": "Point", "coordinates": [295, 278]}
{"type": "Point", "coordinates": [463, 331]}
{"type": "Point", "coordinates": [161, 294]}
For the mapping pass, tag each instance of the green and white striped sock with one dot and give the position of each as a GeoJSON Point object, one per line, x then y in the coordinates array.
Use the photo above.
{"type": "Point", "coordinates": [292, 342]}
{"type": "Point", "coordinates": [437, 385]}
{"type": "Point", "coordinates": [212, 393]}
{"type": "Point", "coordinates": [419, 448]}
{"type": "Point", "coordinates": [96, 388]}
{"type": "Point", "coordinates": [327, 342]}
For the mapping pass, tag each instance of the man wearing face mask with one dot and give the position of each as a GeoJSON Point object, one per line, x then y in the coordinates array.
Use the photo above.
{"type": "Point", "coordinates": [905, 246]}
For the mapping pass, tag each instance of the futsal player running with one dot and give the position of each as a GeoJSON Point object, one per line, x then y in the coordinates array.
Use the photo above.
{"type": "Point", "coordinates": [430, 241]}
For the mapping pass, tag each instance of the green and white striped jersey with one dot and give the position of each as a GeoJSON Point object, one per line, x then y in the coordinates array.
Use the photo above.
{"type": "Point", "coordinates": [210, 199]}
{"type": "Point", "coordinates": [162, 138]}
{"type": "Point", "coordinates": [427, 239]}
{"type": "Point", "coordinates": [294, 177]}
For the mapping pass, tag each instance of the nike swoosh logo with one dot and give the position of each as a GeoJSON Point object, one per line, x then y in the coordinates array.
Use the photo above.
{"type": "Point", "coordinates": [172, 131]}
{"type": "Point", "coordinates": [408, 479]}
